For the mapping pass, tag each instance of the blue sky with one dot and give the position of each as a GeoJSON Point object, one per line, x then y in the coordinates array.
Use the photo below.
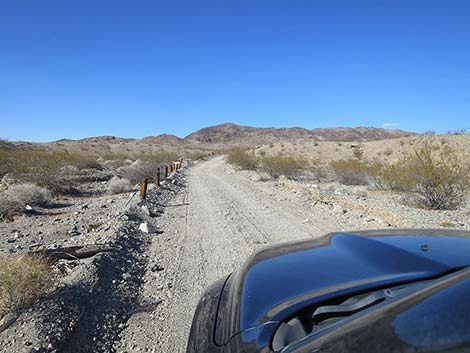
{"type": "Point", "coordinates": [136, 68]}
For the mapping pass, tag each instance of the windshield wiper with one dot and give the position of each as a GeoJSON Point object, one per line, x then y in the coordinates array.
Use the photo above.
{"type": "Point", "coordinates": [349, 307]}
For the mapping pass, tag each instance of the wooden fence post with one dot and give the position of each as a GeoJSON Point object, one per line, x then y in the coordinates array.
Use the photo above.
{"type": "Point", "coordinates": [143, 188]}
{"type": "Point", "coordinates": [166, 171]}
{"type": "Point", "coordinates": [157, 178]}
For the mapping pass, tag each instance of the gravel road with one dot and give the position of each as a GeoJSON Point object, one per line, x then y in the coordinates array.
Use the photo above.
{"type": "Point", "coordinates": [215, 222]}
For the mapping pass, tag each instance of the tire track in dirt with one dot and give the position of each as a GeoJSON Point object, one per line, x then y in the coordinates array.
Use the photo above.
{"type": "Point", "coordinates": [219, 219]}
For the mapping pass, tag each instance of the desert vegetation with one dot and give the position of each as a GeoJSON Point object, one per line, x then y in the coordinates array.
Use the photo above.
{"type": "Point", "coordinates": [436, 178]}
{"type": "Point", "coordinates": [18, 196]}
{"type": "Point", "coordinates": [118, 185]}
{"type": "Point", "coordinates": [23, 280]}
{"type": "Point", "coordinates": [428, 172]}
{"type": "Point", "coordinates": [34, 176]}
{"type": "Point", "coordinates": [273, 165]}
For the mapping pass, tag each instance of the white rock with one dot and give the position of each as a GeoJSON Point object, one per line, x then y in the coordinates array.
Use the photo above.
{"type": "Point", "coordinates": [147, 228]}
{"type": "Point", "coordinates": [145, 210]}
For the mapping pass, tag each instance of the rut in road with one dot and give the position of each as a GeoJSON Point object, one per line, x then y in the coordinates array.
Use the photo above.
{"type": "Point", "coordinates": [216, 222]}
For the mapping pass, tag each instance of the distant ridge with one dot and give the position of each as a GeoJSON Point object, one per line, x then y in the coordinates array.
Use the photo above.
{"type": "Point", "coordinates": [229, 133]}
{"type": "Point", "coordinates": [211, 138]}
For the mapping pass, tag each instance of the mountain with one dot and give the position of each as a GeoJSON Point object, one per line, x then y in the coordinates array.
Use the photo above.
{"type": "Point", "coordinates": [229, 133]}
{"type": "Point", "coordinates": [210, 139]}
{"type": "Point", "coordinates": [164, 139]}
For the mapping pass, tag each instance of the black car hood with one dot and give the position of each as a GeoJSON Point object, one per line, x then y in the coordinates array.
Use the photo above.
{"type": "Point", "coordinates": [281, 280]}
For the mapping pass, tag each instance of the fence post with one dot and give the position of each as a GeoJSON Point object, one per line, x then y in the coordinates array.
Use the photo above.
{"type": "Point", "coordinates": [143, 188]}
{"type": "Point", "coordinates": [157, 178]}
{"type": "Point", "coordinates": [166, 171]}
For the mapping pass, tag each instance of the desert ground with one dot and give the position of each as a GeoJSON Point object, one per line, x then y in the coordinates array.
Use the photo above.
{"type": "Point", "coordinates": [139, 293]}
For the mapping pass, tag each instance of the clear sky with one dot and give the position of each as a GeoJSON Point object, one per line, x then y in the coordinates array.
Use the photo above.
{"type": "Point", "coordinates": [71, 69]}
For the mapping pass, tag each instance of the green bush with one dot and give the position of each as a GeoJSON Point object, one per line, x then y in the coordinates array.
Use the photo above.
{"type": "Point", "coordinates": [438, 179]}
{"type": "Point", "coordinates": [242, 158]}
{"type": "Point", "coordinates": [350, 171]}
{"type": "Point", "coordinates": [278, 165]}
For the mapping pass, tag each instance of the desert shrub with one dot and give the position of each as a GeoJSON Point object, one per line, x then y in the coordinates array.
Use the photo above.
{"type": "Point", "coordinates": [388, 151]}
{"type": "Point", "coordinates": [350, 171]}
{"type": "Point", "coordinates": [198, 155]}
{"type": "Point", "coordinates": [278, 165]}
{"type": "Point", "coordinates": [440, 180]}
{"type": "Point", "coordinates": [437, 179]}
{"type": "Point", "coordinates": [117, 185]}
{"type": "Point", "coordinates": [388, 176]}
{"type": "Point", "coordinates": [14, 199]}
{"type": "Point", "coordinates": [23, 280]}
{"type": "Point", "coordinates": [447, 224]}
{"type": "Point", "coordinates": [88, 162]}
{"type": "Point", "coordinates": [429, 132]}
{"type": "Point", "coordinates": [46, 169]}
{"type": "Point", "coordinates": [9, 207]}
{"type": "Point", "coordinates": [242, 158]}
{"type": "Point", "coordinates": [139, 170]}
{"type": "Point", "coordinates": [28, 194]}
{"type": "Point", "coordinates": [358, 151]}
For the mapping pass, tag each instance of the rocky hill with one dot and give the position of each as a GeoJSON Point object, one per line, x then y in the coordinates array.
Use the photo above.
{"type": "Point", "coordinates": [235, 134]}
{"type": "Point", "coordinates": [210, 139]}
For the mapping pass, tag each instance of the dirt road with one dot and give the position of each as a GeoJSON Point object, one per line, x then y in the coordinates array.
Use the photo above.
{"type": "Point", "coordinates": [217, 220]}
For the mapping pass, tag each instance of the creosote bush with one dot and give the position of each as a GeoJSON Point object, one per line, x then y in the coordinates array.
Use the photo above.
{"type": "Point", "coordinates": [274, 166]}
{"type": "Point", "coordinates": [438, 179]}
{"type": "Point", "coordinates": [350, 171]}
{"type": "Point", "coordinates": [242, 158]}
{"type": "Point", "coordinates": [23, 280]}
{"type": "Point", "coordinates": [278, 165]}
{"type": "Point", "coordinates": [117, 185]}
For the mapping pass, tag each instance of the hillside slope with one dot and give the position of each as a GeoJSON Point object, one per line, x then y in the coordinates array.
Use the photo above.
{"type": "Point", "coordinates": [235, 134]}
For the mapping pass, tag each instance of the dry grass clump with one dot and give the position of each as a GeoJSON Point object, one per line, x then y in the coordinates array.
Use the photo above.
{"type": "Point", "coordinates": [437, 179]}
{"type": "Point", "coordinates": [118, 185]}
{"type": "Point", "coordinates": [242, 158]}
{"type": "Point", "coordinates": [350, 171]}
{"type": "Point", "coordinates": [278, 165]}
{"type": "Point", "coordinates": [14, 199]}
{"type": "Point", "coordinates": [23, 280]}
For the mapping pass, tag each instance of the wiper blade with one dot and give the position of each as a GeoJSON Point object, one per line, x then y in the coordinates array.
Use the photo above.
{"type": "Point", "coordinates": [347, 308]}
